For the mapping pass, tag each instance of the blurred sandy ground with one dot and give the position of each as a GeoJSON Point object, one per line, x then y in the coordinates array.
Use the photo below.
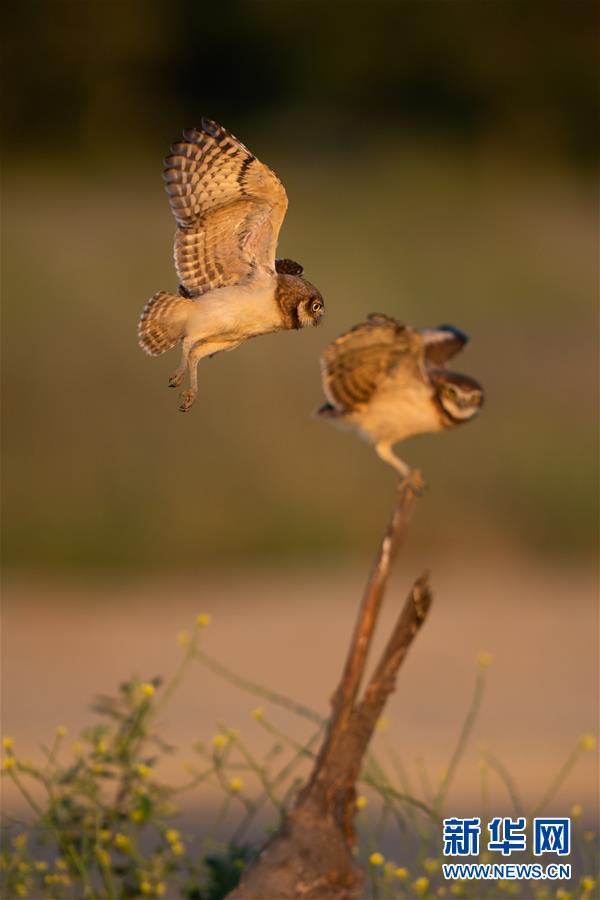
{"type": "Point", "coordinates": [65, 641]}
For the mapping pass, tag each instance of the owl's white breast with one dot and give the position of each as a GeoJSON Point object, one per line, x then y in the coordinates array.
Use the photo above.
{"type": "Point", "coordinates": [394, 415]}
{"type": "Point", "coordinates": [236, 313]}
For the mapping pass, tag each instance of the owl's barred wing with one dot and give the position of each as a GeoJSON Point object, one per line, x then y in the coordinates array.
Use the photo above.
{"type": "Point", "coordinates": [443, 343]}
{"type": "Point", "coordinates": [228, 206]}
{"type": "Point", "coordinates": [359, 362]}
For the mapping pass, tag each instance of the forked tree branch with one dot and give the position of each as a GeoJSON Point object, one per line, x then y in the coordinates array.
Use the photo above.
{"type": "Point", "coordinates": [311, 854]}
{"type": "Point", "coordinates": [356, 660]}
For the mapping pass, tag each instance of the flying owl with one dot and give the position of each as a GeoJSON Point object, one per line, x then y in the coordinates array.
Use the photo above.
{"type": "Point", "coordinates": [389, 382]}
{"type": "Point", "coordinates": [229, 208]}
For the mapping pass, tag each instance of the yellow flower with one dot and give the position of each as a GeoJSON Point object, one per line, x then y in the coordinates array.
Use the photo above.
{"type": "Point", "coordinates": [184, 638]}
{"type": "Point", "coordinates": [8, 763]}
{"type": "Point", "coordinates": [383, 724]}
{"type": "Point", "coordinates": [61, 864]}
{"type": "Point", "coordinates": [51, 879]}
{"type": "Point", "coordinates": [20, 890]}
{"type": "Point", "coordinates": [61, 731]}
{"type": "Point", "coordinates": [19, 841]}
{"type": "Point", "coordinates": [588, 884]}
{"type": "Point", "coordinates": [441, 892]}
{"type": "Point", "coordinates": [484, 660]}
{"type": "Point", "coordinates": [258, 713]}
{"type": "Point", "coordinates": [145, 887]}
{"type": "Point", "coordinates": [143, 770]}
{"type": "Point", "coordinates": [160, 889]}
{"type": "Point", "coordinates": [376, 859]}
{"type": "Point", "coordinates": [147, 689]}
{"type": "Point", "coordinates": [220, 740]}
{"type": "Point", "coordinates": [401, 873]}
{"type": "Point", "coordinates": [563, 895]}
{"type": "Point", "coordinates": [137, 816]}
{"type": "Point", "coordinates": [587, 742]}
{"type": "Point", "coordinates": [172, 835]}
{"type": "Point", "coordinates": [104, 835]}
{"type": "Point", "coordinates": [421, 885]}
{"type": "Point", "coordinates": [64, 879]}
{"type": "Point", "coordinates": [457, 889]}
{"type": "Point", "coordinates": [101, 747]}
{"type": "Point", "coordinates": [78, 748]}
{"type": "Point", "coordinates": [576, 810]}
{"type": "Point", "coordinates": [361, 802]}
{"type": "Point", "coordinates": [389, 869]}
{"type": "Point", "coordinates": [8, 743]}
{"type": "Point", "coordinates": [177, 848]}
{"type": "Point", "coordinates": [236, 785]}
{"type": "Point", "coordinates": [40, 866]}
{"type": "Point", "coordinates": [123, 842]}
{"type": "Point", "coordinates": [97, 768]}
{"type": "Point", "coordinates": [203, 619]}
{"type": "Point", "coordinates": [431, 865]}
{"type": "Point", "coordinates": [103, 857]}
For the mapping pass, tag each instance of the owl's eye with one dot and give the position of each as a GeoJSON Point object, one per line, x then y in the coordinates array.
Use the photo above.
{"type": "Point", "coordinates": [317, 305]}
{"type": "Point", "coordinates": [451, 393]}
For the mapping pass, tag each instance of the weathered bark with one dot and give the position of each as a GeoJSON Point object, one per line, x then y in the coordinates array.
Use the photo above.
{"type": "Point", "coordinates": [311, 856]}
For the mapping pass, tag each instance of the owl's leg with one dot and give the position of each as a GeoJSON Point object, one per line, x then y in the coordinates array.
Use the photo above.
{"type": "Point", "coordinates": [177, 376]}
{"type": "Point", "coordinates": [385, 452]}
{"type": "Point", "coordinates": [194, 355]}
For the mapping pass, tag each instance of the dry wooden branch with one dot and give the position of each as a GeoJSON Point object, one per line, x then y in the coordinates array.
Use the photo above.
{"type": "Point", "coordinates": [311, 854]}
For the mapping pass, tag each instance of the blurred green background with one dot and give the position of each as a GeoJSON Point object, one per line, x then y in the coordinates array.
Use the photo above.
{"type": "Point", "coordinates": [440, 159]}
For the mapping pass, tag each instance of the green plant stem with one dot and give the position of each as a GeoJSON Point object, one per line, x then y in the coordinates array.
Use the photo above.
{"type": "Point", "coordinates": [295, 745]}
{"type": "Point", "coordinates": [558, 780]}
{"type": "Point", "coordinates": [258, 690]}
{"type": "Point", "coordinates": [67, 848]}
{"type": "Point", "coordinates": [173, 684]}
{"type": "Point", "coordinates": [256, 768]}
{"type": "Point", "coordinates": [462, 741]}
{"type": "Point", "coordinates": [384, 789]}
{"type": "Point", "coordinates": [507, 780]}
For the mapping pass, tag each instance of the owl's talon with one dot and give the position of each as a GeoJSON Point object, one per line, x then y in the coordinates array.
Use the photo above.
{"type": "Point", "coordinates": [187, 400]}
{"type": "Point", "coordinates": [414, 481]}
{"type": "Point", "coordinates": [175, 379]}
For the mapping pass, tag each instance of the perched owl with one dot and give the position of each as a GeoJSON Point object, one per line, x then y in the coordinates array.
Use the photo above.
{"type": "Point", "coordinates": [389, 382]}
{"type": "Point", "coordinates": [229, 208]}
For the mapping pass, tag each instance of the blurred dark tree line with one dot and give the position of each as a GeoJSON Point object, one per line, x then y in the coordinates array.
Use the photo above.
{"type": "Point", "coordinates": [85, 74]}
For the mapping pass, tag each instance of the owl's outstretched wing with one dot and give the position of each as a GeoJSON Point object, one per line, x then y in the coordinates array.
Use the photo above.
{"type": "Point", "coordinates": [442, 344]}
{"type": "Point", "coordinates": [228, 206]}
{"type": "Point", "coordinates": [359, 362]}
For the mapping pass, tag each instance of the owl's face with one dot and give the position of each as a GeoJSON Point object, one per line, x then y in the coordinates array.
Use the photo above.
{"type": "Point", "coordinates": [300, 302]}
{"type": "Point", "coordinates": [459, 396]}
{"type": "Point", "coordinates": [310, 310]}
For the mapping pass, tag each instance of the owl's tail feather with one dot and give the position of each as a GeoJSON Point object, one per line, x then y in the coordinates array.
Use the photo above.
{"type": "Point", "coordinates": [162, 322]}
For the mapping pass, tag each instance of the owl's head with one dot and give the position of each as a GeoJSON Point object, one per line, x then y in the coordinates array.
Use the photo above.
{"type": "Point", "coordinates": [459, 397]}
{"type": "Point", "coordinates": [300, 302]}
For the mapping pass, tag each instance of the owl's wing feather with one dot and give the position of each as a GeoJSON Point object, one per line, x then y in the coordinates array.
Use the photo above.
{"type": "Point", "coordinates": [228, 206]}
{"type": "Point", "coordinates": [359, 362]}
{"type": "Point", "coordinates": [442, 344]}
